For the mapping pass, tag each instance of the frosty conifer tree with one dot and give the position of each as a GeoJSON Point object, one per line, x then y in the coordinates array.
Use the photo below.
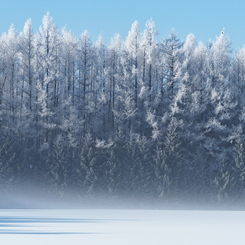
{"type": "Point", "coordinates": [239, 159]}
{"type": "Point", "coordinates": [164, 117]}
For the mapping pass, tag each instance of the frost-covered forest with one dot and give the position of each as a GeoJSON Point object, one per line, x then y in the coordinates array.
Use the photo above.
{"type": "Point", "coordinates": [136, 117]}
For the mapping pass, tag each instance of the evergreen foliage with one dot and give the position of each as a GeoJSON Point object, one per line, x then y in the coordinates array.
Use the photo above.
{"type": "Point", "coordinates": [138, 117]}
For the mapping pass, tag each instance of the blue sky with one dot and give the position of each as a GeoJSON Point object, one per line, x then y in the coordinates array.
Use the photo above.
{"type": "Point", "coordinates": [205, 19]}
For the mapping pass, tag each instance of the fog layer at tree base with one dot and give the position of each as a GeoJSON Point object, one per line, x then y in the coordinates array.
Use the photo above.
{"type": "Point", "coordinates": [38, 198]}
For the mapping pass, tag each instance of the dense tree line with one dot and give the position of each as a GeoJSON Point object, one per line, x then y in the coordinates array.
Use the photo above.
{"type": "Point", "coordinates": [137, 118]}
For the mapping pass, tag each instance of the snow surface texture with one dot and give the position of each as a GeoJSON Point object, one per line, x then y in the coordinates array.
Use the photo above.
{"type": "Point", "coordinates": [121, 227]}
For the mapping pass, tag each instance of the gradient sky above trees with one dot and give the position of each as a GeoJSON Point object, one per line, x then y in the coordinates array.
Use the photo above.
{"type": "Point", "coordinates": [205, 19]}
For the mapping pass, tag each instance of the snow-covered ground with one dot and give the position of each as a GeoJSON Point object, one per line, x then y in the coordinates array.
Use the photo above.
{"type": "Point", "coordinates": [121, 227]}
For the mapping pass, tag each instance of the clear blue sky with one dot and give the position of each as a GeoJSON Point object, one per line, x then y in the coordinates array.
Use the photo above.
{"type": "Point", "coordinates": [205, 19]}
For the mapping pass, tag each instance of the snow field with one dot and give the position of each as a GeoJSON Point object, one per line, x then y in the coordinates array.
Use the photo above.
{"type": "Point", "coordinates": [120, 227]}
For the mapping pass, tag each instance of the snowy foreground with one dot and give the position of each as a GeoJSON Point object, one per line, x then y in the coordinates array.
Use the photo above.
{"type": "Point", "coordinates": [121, 227]}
